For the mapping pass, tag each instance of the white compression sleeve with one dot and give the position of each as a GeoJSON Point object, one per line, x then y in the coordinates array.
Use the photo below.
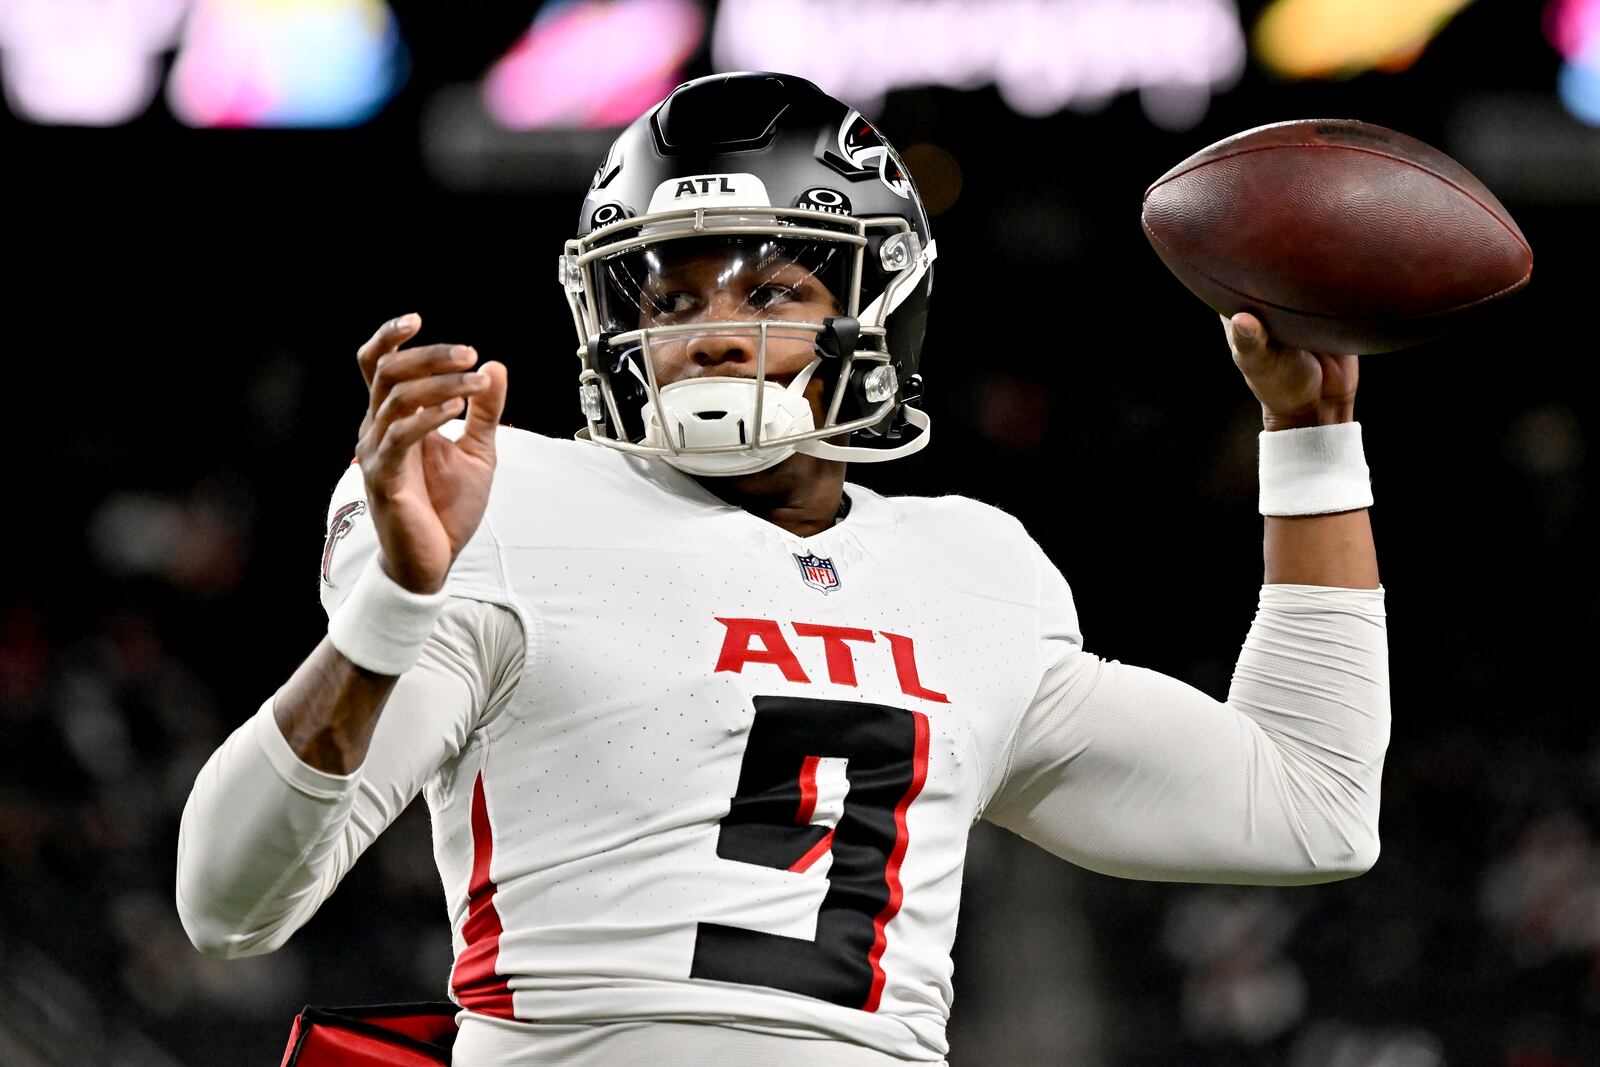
{"type": "Point", "coordinates": [1129, 772]}
{"type": "Point", "coordinates": [266, 838]}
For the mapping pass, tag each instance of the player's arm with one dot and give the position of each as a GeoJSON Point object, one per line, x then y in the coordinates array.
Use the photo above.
{"type": "Point", "coordinates": [266, 836]}
{"type": "Point", "coordinates": [426, 495]}
{"type": "Point", "coordinates": [272, 809]}
{"type": "Point", "coordinates": [1132, 773]}
{"type": "Point", "coordinates": [1129, 772]}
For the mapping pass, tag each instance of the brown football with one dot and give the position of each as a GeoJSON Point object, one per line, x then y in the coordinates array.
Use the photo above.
{"type": "Point", "coordinates": [1340, 236]}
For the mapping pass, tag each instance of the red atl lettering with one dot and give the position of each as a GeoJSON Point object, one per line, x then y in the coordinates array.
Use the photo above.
{"type": "Point", "coordinates": [740, 641]}
{"type": "Point", "coordinates": [736, 650]}
{"type": "Point", "coordinates": [841, 665]}
{"type": "Point", "coordinates": [905, 668]}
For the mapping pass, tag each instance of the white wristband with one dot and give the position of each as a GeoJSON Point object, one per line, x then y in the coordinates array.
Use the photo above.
{"type": "Point", "coordinates": [382, 626]}
{"type": "Point", "coordinates": [1314, 470]}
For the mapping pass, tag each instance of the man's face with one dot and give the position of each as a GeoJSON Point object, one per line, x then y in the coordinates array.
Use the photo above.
{"type": "Point", "coordinates": [750, 282]}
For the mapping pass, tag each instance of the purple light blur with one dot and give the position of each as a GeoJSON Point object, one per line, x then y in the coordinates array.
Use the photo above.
{"type": "Point", "coordinates": [593, 63]}
{"type": "Point", "coordinates": [1043, 55]}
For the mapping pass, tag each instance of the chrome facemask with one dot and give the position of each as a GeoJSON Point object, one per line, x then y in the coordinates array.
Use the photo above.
{"type": "Point", "coordinates": [724, 424]}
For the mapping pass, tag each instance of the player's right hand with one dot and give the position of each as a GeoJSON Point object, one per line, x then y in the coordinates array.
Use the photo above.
{"type": "Point", "coordinates": [425, 492]}
{"type": "Point", "coordinates": [1296, 387]}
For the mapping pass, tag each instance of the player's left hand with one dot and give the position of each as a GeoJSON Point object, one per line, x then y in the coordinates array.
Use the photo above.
{"type": "Point", "coordinates": [1296, 387]}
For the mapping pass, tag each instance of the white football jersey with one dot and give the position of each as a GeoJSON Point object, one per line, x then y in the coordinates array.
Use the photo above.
{"type": "Point", "coordinates": [722, 775]}
{"type": "Point", "coordinates": [736, 779]}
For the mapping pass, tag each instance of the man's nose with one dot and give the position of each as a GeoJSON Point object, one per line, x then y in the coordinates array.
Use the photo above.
{"type": "Point", "coordinates": [714, 349]}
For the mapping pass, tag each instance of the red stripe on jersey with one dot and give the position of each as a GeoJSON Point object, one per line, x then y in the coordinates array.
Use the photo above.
{"type": "Point", "coordinates": [919, 774]}
{"type": "Point", "coordinates": [807, 810]}
{"type": "Point", "coordinates": [803, 864]}
{"type": "Point", "coordinates": [478, 985]}
{"type": "Point", "coordinates": [808, 791]}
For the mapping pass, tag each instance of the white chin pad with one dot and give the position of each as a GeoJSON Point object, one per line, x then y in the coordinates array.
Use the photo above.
{"type": "Point", "coordinates": [705, 413]}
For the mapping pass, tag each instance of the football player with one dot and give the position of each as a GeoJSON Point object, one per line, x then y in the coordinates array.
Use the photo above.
{"type": "Point", "coordinates": [702, 726]}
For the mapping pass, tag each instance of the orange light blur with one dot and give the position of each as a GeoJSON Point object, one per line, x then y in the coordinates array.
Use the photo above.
{"type": "Point", "coordinates": [1343, 38]}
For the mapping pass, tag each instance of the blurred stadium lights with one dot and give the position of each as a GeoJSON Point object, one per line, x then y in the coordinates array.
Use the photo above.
{"type": "Point", "coordinates": [1343, 38]}
{"type": "Point", "coordinates": [286, 63]}
{"type": "Point", "coordinates": [1043, 55]}
{"type": "Point", "coordinates": [1526, 148]}
{"type": "Point", "coordinates": [466, 150]}
{"type": "Point", "coordinates": [85, 62]}
{"type": "Point", "coordinates": [591, 63]}
{"type": "Point", "coordinates": [1573, 27]}
{"type": "Point", "coordinates": [550, 107]}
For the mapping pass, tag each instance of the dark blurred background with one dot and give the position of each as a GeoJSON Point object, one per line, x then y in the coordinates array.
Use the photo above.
{"type": "Point", "coordinates": [213, 202]}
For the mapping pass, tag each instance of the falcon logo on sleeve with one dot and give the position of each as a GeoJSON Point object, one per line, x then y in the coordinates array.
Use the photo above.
{"type": "Point", "coordinates": [340, 524]}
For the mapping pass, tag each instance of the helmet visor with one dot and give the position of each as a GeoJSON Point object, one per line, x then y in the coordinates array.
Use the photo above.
{"type": "Point", "coordinates": [707, 280]}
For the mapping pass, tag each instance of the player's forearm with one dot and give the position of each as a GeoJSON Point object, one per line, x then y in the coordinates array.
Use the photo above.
{"type": "Point", "coordinates": [259, 841]}
{"type": "Point", "coordinates": [1331, 550]}
{"type": "Point", "coordinates": [329, 708]}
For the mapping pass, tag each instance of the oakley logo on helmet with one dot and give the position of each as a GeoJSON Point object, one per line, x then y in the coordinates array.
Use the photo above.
{"type": "Point", "coordinates": [710, 190]}
{"type": "Point", "coordinates": [821, 198]}
{"type": "Point", "coordinates": [864, 148]}
{"type": "Point", "coordinates": [606, 214]}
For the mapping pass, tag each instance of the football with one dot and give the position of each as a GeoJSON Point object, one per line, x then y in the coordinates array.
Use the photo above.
{"type": "Point", "coordinates": [1341, 236]}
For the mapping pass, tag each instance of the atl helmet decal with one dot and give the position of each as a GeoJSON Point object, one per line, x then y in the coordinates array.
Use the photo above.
{"type": "Point", "coordinates": [817, 572]}
{"type": "Point", "coordinates": [606, 214]}
{"type": "Point", "coordinates": [701, 185]}
{"type": "Point", "coordinates": [343, 522]}
{"type": "Point", "coordinates": [821, 198]}
{"type": "Point", "coordinates": [861, 144]}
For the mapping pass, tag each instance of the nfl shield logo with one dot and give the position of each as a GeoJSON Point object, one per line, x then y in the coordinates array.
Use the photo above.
{"type": "Point", "coordinates": [818, 573]}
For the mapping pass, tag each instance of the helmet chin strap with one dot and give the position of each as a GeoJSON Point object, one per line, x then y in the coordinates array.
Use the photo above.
{"type": "Point", "coordinates": [713, 411]}
{"type": "Point", "coordinates": [718, 410]}
{"type": "Point", "coordinates": [822, 449]}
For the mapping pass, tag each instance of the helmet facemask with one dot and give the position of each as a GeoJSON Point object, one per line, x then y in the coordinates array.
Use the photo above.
{"type": "Point", "coordinates": [740, 311]}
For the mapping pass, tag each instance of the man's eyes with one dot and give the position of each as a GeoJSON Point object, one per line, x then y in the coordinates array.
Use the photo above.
{"type": "Point", "coordinates": [682, 302]}
{"type": "Point", "coordinates": [676, 303]}
{"type": "Point", "coordinates": [765, 296]}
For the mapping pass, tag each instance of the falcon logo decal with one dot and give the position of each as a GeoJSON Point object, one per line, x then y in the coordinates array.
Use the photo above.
{"type": "Point", "coordinates": [342, 522]}
{"type": "Point", "coordinates": [861, 144]}
{"type": "Point", "coordinates": [818, 573]}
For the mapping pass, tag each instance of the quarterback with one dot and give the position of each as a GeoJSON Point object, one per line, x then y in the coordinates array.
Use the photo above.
{"type": "Point", "coordinates": [702, 726]}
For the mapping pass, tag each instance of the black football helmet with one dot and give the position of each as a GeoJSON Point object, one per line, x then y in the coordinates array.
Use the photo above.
{"type": "Point", "coordinates": [772, 173]}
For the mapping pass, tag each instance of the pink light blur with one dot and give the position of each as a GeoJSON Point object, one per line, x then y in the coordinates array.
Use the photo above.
{"type": "Point", "coordinates": [85, 62]}
{"type": "Point", "coordinates": [593, 63]}
{"type": "Point", "coordinates": [1573, 27]}
{"type": "Point", "coordinates": [1042, 55]}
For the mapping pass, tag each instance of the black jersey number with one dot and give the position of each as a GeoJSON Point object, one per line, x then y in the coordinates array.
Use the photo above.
{"type": "Point", "coordinates": [769, 823]}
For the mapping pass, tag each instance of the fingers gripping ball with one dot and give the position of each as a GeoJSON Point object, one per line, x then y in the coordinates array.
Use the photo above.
{"type": "Point", "coordinates": [1340, 236]}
